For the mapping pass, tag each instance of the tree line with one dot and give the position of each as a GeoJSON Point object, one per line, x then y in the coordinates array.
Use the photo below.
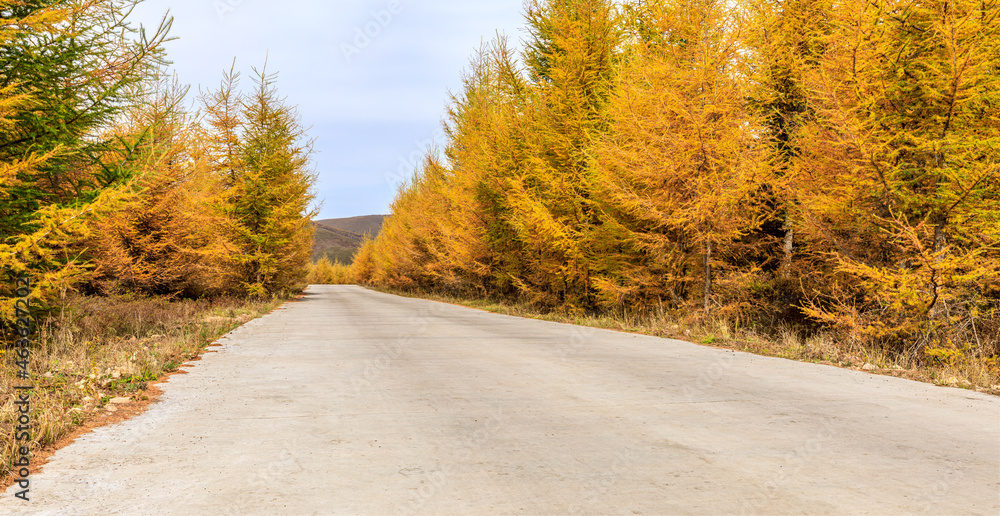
{"type": "Point", "coordinates": [805, 162]}
{"type": "Point", "coordinates": [110, 184]}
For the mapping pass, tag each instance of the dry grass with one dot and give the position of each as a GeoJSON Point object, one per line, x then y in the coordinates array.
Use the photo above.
{"type": "Point", "coordinates": [97, 349]}
{"type": "Point", "coordinates": [968, 370]}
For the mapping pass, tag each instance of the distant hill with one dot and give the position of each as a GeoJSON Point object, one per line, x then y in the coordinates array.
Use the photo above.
{"type": "Point", "coordinates": [370, 224]}
{"type": "Point", "coordinates": [338, 239]}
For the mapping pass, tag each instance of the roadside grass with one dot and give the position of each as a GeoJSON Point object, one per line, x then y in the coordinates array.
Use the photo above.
{"type": "Point", "coordinates": [97, 349]}
{"type": "Point", "coordinates": [964, 370]}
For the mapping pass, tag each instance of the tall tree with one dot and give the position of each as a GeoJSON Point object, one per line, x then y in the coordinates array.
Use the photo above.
{"type": "Point", "coordinates": [898, 175]}
{"type": "Point", "coordinates": [165, 238]}
{"type": "Point", "coordinates": [571, 56]}
{"type": "Point", "coordinates": [76, 75]}
{"type": "Point", "coordinates": [67, 70]}
{"type": "Point", "coordinates": [681, 165]}
{"type": "Point", "coordinates": [487, 149]}
{"type": "Point", "coordinates": [788, 39]}
{"type": "Point", "coordinates": [269, 199]}
{"type": "Point", "coordinates": [450, 227]}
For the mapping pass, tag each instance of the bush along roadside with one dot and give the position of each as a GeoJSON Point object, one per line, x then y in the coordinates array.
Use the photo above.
{"type": "Point", "coordinates": [97, 350]}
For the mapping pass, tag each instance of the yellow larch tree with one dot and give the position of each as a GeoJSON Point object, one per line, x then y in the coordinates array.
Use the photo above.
{"type": "Point", "coordinates": [166, 238]}
{"type": "Point", "coordinates": [681, 164]}
{"type": "Point", "coordinates": [898, 175]}
{"type": "Point", "coordinates": [571, 56]}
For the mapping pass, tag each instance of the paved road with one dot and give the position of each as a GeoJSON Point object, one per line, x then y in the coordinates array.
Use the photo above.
{"type": "Point", "coordinates": [355, 402]}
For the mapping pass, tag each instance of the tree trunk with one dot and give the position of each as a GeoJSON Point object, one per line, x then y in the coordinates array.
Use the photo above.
{"type": "Point", "coordinates": [708, 275]}
{"type": "Point", "coordinates": [789, 248]}
{"type": "Point", "coordinates": [940, 242]}
{"type": "Point", "coordinates": [673, 297]}
{"type": "Point", "coordinates": [940, 237]}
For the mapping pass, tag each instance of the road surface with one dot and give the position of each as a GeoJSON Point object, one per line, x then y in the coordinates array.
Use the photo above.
{"type": "Point", "coordinates": [357, 402]}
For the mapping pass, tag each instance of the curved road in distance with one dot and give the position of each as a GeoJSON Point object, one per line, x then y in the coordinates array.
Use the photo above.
{"type": "Point", "coordinates": [357, 402]}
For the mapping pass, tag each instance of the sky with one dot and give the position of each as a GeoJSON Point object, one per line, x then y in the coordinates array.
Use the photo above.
{"type": "Point", "coordinates": [371, 79]}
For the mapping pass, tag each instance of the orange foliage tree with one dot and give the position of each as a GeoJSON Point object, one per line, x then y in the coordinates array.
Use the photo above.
{"type": "Point", "coordinates": [681, 163]}
{"type": "Point", "coordinates": [165, 238]}
{"type": "Point", "coordinates": [897, 177]}
{"type": "Point", "coordinates": [570, 58]}
{"type": "Point", "coordinates": [262, 157]}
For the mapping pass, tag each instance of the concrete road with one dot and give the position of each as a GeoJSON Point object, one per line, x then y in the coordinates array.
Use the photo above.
{"type": "Point", "coordinates": [356, 402]}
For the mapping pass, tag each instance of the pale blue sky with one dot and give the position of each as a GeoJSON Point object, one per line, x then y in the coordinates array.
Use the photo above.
{"type": "Point", "coordinates": [372, 106]}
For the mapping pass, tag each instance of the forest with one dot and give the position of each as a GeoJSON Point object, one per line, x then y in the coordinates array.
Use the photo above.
{"type": "Point", "coordinates": [805, 164]}
{"type": "Point", "coordinates": [110, 184]}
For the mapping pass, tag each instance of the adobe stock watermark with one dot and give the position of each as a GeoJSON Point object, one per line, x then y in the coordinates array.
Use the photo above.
{"type": "Point", "coordinates": [371, 30]}
{"type": "Point", "coordinates": [709, 377]}
{"type": "Point", "coordinates": [25, 328]}
{"type": "Point", "coordinates": [791, 470]}
{"type": "Point", "coordinates": [412, 162]}
{"type": "Point", "coordinates": [224, 7]}
{"type": "Point", "coordinates": [466, 467]}
{"type": "Point", "coordinates": [594, 489]}
{"type": "Point", "coordinates": [365, 380]}
{"type": "Point", "coordinates": [581, 338]}
{"type": "Point", "coordinates": [280, 470]}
